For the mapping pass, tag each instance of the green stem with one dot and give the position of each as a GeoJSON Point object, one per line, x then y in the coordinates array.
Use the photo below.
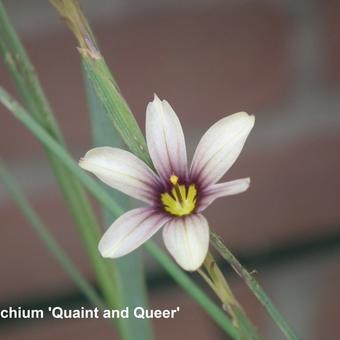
{"type": "Point", "coordinates": [254, 286]}
{"type": "Point", "coordinates": [24, 75]}
{"type": "Point", "coordinates": [220, 286]}
{"type": "Point", "coordinates": [133, 293]}
{"type": "Point", "coordinates": [102, 196]}
{"type": "Point", "coordinates": [29, 88]}
{"type": "Point", "coordinates": [47, 238]}
{"type": "Point", "coordinates": [186, 283]}
{"type": "Point", "coordinates": [102, 80]}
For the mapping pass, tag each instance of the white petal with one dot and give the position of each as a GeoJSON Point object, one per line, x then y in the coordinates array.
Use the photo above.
{"type": "Point", "coordinates": [187, 240]}
{"type": "Point", "coordinates": [123, 171]}
{"type": "Point", "coordinates": [219, 147]}
{"type": "Point", "coordinates": [165, 140]}
{"type": "Point", "coordinates": [214, 191]}
{"type": "Point", "coordinates": [130, 231]}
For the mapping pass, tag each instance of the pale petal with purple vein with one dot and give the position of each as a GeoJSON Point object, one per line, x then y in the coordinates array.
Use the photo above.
{"type": "Point", "coordinates": [215, 191]}
{"type": "Point", "coordinates": [165, 140]}
{"type": "Point", "coordinates": [219, 147]}
{"type": "Point", "coordinates": [130, 231]}
{"type": "Point", "coordinates": [123, 171]}
{"type": "Point", "coordinates": [187, 240]}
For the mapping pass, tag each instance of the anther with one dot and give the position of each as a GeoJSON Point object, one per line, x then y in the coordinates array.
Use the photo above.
{"type": "Point", "coordinates": [174, 179]}
{"type": "Point", "coordinates": [174, 182]}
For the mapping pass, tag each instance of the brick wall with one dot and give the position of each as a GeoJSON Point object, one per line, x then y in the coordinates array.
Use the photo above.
{"type": "Point", "coordinates": [278, 60]}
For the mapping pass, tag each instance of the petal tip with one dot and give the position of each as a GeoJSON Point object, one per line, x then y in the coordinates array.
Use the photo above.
{"type": "Point", "coordinates": [153, 106]}
{"type": "Point", "coordinates": [90, 156]}
{"type": "Point", "coordinates": [155, 98]}
{"type": "Point", "coordinates": [192, 268]}
{"type": "Point", "coordinates": [246, 184]}
{"type": "Point", "coordinates": [252, 117]}
{"type": "Point", "coordinates": [191, 265]}
{"type": "Point", "coordinates": [187, 240]}
{"type": "Point", "coordinates": [82, 162]}
{"type": "Point", "coordinates": [246, 115]}
{"type": "Point", "coordinates": [104, 251]}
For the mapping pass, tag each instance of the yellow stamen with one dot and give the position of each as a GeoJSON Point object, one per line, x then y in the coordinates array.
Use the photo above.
{"type": "Point", "coordinates": [174, 179]}
{"type": "Point", "coordinates": [180, 201]}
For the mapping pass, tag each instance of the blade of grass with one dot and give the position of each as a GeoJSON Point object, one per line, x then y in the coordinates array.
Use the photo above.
{"type": "Point", "coordinates": [29, 88]}
{"type": "Point", "coordinates": [46, 237]}
{"type": "Point", "coordinates": [102, 80]}
{"type": "Point", "coordinates": [253, 285]}
{"type": "Point", "coordinates": [102, 196]}
{"type": "Point", "coordinates": [132, 292]}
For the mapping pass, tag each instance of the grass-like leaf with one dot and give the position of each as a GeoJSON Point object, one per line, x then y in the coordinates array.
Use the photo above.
{"type": "Point", "coordinates": [46, 237]}
{"type": "Point", "coordinates": [130, 278]}
{"type": "Point", "coordinates": [101, 79]}
{"type": "Point", "coordinates": [33, 96]}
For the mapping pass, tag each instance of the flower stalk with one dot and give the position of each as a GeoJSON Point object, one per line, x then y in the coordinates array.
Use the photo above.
{"type": "Point", "coordinates": [214, 277]}
{"type": "Point", "coordinates": [219, 284]}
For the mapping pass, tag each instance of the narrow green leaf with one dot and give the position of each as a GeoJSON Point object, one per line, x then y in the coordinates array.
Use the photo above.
{"type": "Point", "coordinates": [102, 80]}
{"type": "Point", "coordinates": [116, 107]}
{"type": "Point", "coordinates": [46, 237]}
{"type": "Point", "coordinates": [131, 281]}
{"type": "Point", "coordinates": [28, 85]}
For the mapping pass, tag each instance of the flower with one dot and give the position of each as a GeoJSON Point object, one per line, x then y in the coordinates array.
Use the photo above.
{"type": "Point", "coordinates": [176, 195]}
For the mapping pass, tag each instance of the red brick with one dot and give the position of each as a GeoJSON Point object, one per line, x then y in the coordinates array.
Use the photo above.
{"type": "Point", "coordinates": [330, 39]}
{"type": "Point", "coordinates": [27, 267]}
{"type": "Point", "coordinates": [327, 301]}
{"type": "Point", "coordinates": [207, 62]}
{"type": "Point", "coordinates": [61, 329]}
{"type": "Point", "coordinates": [294, 194]}
{"type": "Point", "coordinates": [191, 322]}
